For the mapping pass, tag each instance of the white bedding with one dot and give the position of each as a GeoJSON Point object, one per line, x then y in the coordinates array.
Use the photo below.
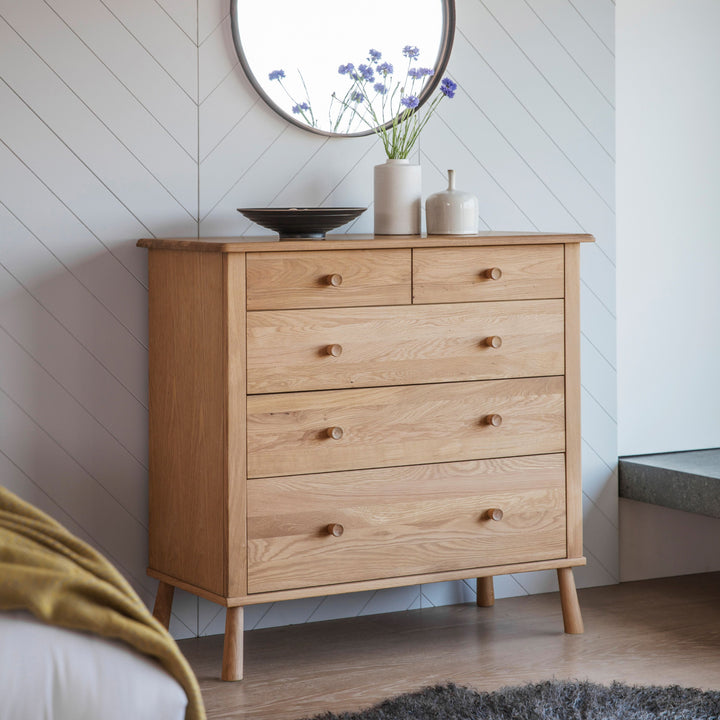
{"type": "Point", "coordinates": [49, 673]}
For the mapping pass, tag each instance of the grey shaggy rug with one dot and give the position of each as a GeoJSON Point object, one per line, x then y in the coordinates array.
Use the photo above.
{"type": "Point", "coordinates": [545, 701]}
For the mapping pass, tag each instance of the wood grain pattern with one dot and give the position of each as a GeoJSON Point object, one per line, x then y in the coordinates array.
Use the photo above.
{"type": "Point", "coordinates": [403, 521]}
{"type": "Point", "coordinates": [379, 584]}
{"type": "Point", "coordinates": [573, 447]}
{"type": "Point", "coordinates": [385, 443]}
{"type": "Point", "coordinates": [459, 274]}
{"type": "Point", "coordinates": [232, 663]}
{"type": "Point", "coordinates": [163, 603]}
{"type": "Point", "coordinates": [361, 242]}
{"type": "Point", "coordinates": [187, 411]}
{"type": "Point", "coordinates": [301, 279]}
{"type": "Point", "coordinates": [485, 591]}
{"type": "Point", "coordinates": [401, 425]}
{"type": "Point", "coordinates": [234, 516]}
{"type": "Point", "coordinates": [572, 618]}
{"type": "Point", "coordinates": [287, 350]}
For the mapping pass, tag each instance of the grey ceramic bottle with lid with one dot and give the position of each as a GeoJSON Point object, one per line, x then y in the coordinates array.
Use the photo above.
{"type": "Point", "coordinates": [452, 212]}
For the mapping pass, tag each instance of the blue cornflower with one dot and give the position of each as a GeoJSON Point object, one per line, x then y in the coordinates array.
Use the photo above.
{"type": "Point", "coordinates": [448, 87]}
{"type": "Point", "coordinates": [411, 101]}
{"type": "Point", "coordinates": [300, 107]}
{"type": "Point", "coordinates": [357, 97]}
{"type": "Point", "coordinates": [345, 69]}
{"type": "Point", "coordinates": [276, 74]}
{"type": "Point", "coordinates": [380, 88]}
{"type": "Point", "coordinates": [374, 55]}
{"type": "Point", "coordinates": [410, 51]}
{"type": "Point", "coordinates": [418, 73]}
{"type": "Point", "coordinates": [385, 69]}
{"type": "Point", "coordinates": [366, 73]}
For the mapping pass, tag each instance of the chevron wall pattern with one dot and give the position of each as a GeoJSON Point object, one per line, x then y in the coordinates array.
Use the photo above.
{"type": "Point", "coordinates": [124, 119]}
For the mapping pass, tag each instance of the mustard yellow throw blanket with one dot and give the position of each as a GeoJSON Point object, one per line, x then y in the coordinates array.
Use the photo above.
{"type": "Point", "coordinates": [49, 572]}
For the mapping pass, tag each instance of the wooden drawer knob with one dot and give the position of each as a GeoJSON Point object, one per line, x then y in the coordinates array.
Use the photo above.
{"type": "Point", "coordinates": [334, 350]}
{"type": "Point", "coordinates": [335, 280]}
{"type": "Point", "coordinates": [493, 273]}
{"type": "Point", "coordinates": [335, 433]}
{"type": "Point", "coordinates": [494, 514]}
{"type": "Point", "coordinates": [336, 529]}
{"type": "Point", "coordinates": [493, 419]}
{"type": "Point", "coordinates": [494, 341]}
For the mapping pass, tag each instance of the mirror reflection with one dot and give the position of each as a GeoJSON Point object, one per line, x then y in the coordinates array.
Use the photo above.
{"type": "Point", "coordinates": [336, 68]}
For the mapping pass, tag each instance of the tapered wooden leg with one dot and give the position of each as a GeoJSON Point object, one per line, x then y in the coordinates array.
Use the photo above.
{"type": "Point", "coordinates": [572, 619]}
{"type": "Point", "coordinates": [485, 592]}
{"type": "Point", "coordinates": [232, 667]}
{"type": "Point", "coordinates": [163, 603]}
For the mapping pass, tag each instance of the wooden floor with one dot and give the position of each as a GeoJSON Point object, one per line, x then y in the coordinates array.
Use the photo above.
{"type": "Point", "coordinates": [650, 632]}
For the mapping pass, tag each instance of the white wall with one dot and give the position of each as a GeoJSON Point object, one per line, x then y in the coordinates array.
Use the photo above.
{"type": "Point", "coordinates": [122, 120]}
{"type": "Point", "coordinates": [662, 542]}
{"type": "Point", "coordinates": [668, 216]}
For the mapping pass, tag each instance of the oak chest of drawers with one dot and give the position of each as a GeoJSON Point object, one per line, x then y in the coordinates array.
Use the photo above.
{"type": "Point", "coordinates": [362, 413]}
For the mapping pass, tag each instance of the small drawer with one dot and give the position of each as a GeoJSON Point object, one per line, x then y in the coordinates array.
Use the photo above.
{"type": "Point", "coordinates": [487, 273]}
{"type": "Point", "coordinates": [324, 431]}
{"type": "Point", "coordinates": [328, 278]}
{"type": "Point", "coordinates": [331, 528]}
{"type": "Point", "coordinates": [290, 350]}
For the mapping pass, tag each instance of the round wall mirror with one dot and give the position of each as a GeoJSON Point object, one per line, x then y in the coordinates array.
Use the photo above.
{"type": "Point", "coordinates": [339, 69]}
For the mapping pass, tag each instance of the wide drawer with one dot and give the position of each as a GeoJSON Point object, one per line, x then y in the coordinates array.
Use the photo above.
{"type": "Point", "coordinates": [291, 350]}
{"type": "Point", "coordinates": [328, 278]}
{"type": "Point", "coordinates": [309, 432]}
{"type": "Point", "coordinates": [404, 521]}
{"type": "Point", "coordinates": [487, 273]}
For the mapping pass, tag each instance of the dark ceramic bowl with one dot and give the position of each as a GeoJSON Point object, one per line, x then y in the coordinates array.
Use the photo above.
{"type": "Point", "coordinates": [302, 223]}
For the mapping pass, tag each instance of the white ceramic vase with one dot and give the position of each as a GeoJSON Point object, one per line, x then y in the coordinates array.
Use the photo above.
{"type": "Point", "coordinates": [397, 198]}
{"type": "Point", "coordinates": [452, 212]}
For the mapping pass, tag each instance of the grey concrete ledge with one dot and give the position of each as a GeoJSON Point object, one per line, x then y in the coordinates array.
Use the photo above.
{"type": "Point", "coordinates": [688, 481]}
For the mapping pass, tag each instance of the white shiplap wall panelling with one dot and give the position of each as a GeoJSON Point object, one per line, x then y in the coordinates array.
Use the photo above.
{"type": "Point", "coordinates": [581, 42]}
{"type": "Point", "coordinates": [217, 58]}
{"type": "Point", "coordinates": [600, 377]}
{"type": "Point", "coordinates": [129, 119]}
{"type": "Point", "coordinates": [537, 113]}
{"type": "Point", "coordinates": [209, 16]}
{"type": "Point", "coordinates": [597, 271]}
{"type": "Point", "coordinates": [74, 429]}
{"type": "Point", "coordinates": [232, 159]}
{"type": "Point", "coordinates": [162, 38]}
{"type": "Point", "coordinates": [444, 149]}
{"type": "Point", "coordinates": [87, 318]}
{"type": "Point", "coordinates": [141, 72]}
{"type": "Point", "coordinates": [98, 146]}
{"type": "Point", "coordinates": [600, 483]}
{"type": "Point", "coordinates": [67, 85]}
{"type": "Point", "coordinates": [46, 462]}
{"type": "Point", "coordinates": [75, 372]}
{"type": "Point", "coordinates": [68, 181]}
{"type": "Point", "coordinates": [548, 55]}
{"type": "Point", "coordinates": [535, 121]}
{"type": "Point", "coordinates": [600, 18]}
{"type": "Point", "coordinates": [184, 13]}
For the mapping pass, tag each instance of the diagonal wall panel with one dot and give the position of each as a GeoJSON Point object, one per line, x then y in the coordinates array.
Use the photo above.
{"type": "Point", "coordinates": [580, 41]}
{"type": "Point", "coordinates": [163, 39]}
{"type": "Point", "coordinates": [98, 146]}
{"type": "Point", "coordinates": [138, 70]}
{"type": "Point", "coordinates": [84, 94]}
{"type": "Point", "coordinates": [533, 41]}
{"type": "Point", "coordinates": [600, 18]}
